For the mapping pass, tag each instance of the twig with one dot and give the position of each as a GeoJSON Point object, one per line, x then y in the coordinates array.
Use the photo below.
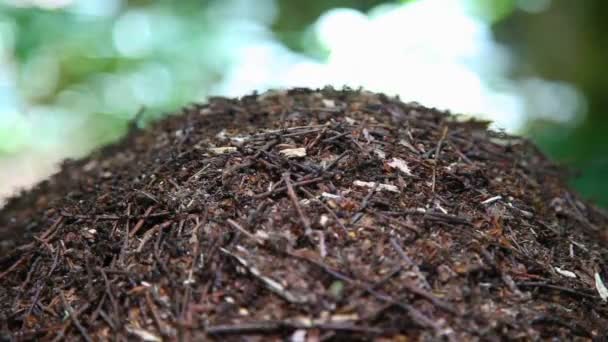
{"type": "Point", "coordinates": [443, 135]}
{"type": "Point", "coordinates": [283, 188]}
{"type": "Point", "coordinates": [338, 136]}
{"type": "Point", "coordinates": [155, 315]}
{"type": "Point", "coordinates": [141, 221]}
{"type": "Point", "coordinates": [406, 225]}
{"type": "Point", "coordinates": [270, 284]}
{"type": "Point", "coordinates": [506, 278]}
{"type": "Point", "coordinates": [335, 161]}
{"type": "Point", "coordinates": [148, 195]}
{"type": "Point", "coordinates": [575, 328]}
{"type": "Point", "coordinates": [74, 317]}
{"type": "Point", "coordinates": [14, 266]}
{"type": "Point", "coordinates": [34, 302]}
{"type": "Point", "coordinates": [410, 263]}
{"type": "Point", "coordinates": [356, 216]}
{"type": "Point", "coordinates": [238, 227]}
{"type": "Point", "coordinates": [148, 235]}
{"type": "Point", "coordinates": [433, 216]}
{"type": "Point", "coordinates": [295, 201]}
{"type": "Point", "coordinates": [274, 326]}
{"type": "Point", "coordinates": [460, 154]}
{"type": "Point", "coordinates": [576, 292]}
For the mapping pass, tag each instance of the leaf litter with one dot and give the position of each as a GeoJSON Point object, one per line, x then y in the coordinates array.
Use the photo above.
{"type": "Point", "coordinates": [305, 215]}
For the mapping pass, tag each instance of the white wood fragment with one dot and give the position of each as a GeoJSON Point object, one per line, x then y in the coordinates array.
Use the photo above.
{"type": "Point", "coordinates": [262, 234]}
{"type": "Point", "coordinates": [344, 317]}
{"type": "Point", "coordinates": [323, 220]}
{"type": "Point", "coordinates": [505, 141]}
{"type": "Point", "coordinates": [442, 209]}
{"type": "Point", "coordinates": [387, 187]}
{"type": "Point", "coordinates": [350, 121]}
{"type": "Point", "coordinates": [565, 273]}
{"type": "Point", "coordinates": [492, 199]}
{"type": "Point", "coordinates": [329, 103]}
{"type": "Point", "coordinates": [305, 201]}
{"type": "Point", "coordinates": [381, 154]}
{"type": "Point", "coordinates": [190, 279]}
{"type": "Point", "coordinates": [239, 140]}
{"type": "Point", "coordinates": [368, 136]}
{"type": "Point", "coordinates": [330, 196]}
{"type": "Point", "coordinates": [294, 152]}
{"type": "Point", "coordinates": [601, 288]}
{"type": "Point", "coordinates": [400, 164]}
{"type": "Point", "coordinates": [143, 334]}
{"type": "Point", "coordinates": [222, 150]}
{"type": "Point", "coordinates": [221, 135]}
{"type": "Point", "coordinates": [298, 336]}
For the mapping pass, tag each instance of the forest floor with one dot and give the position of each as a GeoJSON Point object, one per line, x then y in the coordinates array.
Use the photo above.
{"type": "Point", "coordinates": [305, 215]}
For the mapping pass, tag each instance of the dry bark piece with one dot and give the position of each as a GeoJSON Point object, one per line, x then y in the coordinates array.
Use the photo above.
{"type": "Point", "coordinates": [294, 152]}
{"type": "Point", "coordinates": [401, 165]}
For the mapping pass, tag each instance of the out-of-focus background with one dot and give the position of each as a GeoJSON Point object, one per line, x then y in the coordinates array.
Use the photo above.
{"type": "Point", "coordinates": [73, 73]}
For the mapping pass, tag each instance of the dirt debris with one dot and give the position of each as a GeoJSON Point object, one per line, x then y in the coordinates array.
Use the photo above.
{"type": "Point", "coordinates": [305, 215]}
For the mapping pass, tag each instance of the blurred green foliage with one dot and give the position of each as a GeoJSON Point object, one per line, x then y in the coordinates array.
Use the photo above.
{"type": "Point", "coordinates": [568, 42]}
{"type": "Point", "coordinates": [103, 60]}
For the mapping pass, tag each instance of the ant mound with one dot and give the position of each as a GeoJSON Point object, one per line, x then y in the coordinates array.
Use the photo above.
{"type": "Point", "coordinates": [305, 215]}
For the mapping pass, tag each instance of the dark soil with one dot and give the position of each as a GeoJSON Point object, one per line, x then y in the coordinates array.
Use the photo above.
{"type": "Point", "coordinates": [305, 215]}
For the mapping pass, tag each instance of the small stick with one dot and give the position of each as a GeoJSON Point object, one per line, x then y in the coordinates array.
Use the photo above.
{"type": "Point", "coordinates": [238, 227]}
{"type": "Point", "coordinates": [316, 139]}
{"type": "Point", "coordinates": [73, 317]}
{"type": "Point", "coordinates": [155, 316]}
{"type": "Point", "coordinates": [433, 216]}
{"type": "Point", "coordinates": [141, 221]}
{"type": "Point", "coordinates": [283, 188]}
{"type": "Point", "coordinates": [459, 153]}
{"type": "Point", "coordinates": [443, 135]}
{"type": "Point", "coordinates": [294, 199]}
{"type": "Point", "coordinates": [271, 284]}
{"type": "Point", "coordinates": [125, 242]}
{"type": "Point", "coordinates": [575, 292]}
{"type": "Point", "coordinates": [14, 266]}
{"type": "Point", "coordinates": [335, 161]}
{"type": "Point", "coordinates": [273, 326]}
{"type": "Point", "coordinates": [405, 225]}
{"type": "Point", "coordinates": [364, 204]}
{"type": "Point", "coordinates": [330, 139]}
{"type": "Point", "coordinates": [410, 262]}
{"type": "Point", "coordinates": [34, 302]}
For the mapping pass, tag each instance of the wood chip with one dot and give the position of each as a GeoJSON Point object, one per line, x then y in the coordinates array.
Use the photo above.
{"type": "Point", "coordinates": [371, 185]}
{"type": "Point", "coordinates": [565, 273]}
{"type": "Point", "coordinates": [401, 165]}
{"type": "Point", "coordinates": [294, 152]}
{"type": "Point", "coordinates": [222, 150]}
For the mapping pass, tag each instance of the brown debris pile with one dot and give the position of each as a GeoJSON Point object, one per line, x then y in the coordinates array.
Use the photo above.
{"type": "Point", "coordinates": [305, 215]}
